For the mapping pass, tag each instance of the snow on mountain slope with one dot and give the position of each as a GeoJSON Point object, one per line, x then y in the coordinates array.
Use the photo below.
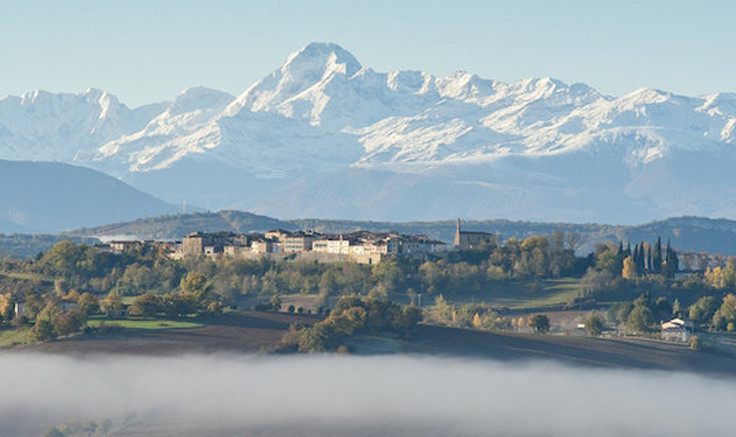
{"type": "Point", "coordinates": [322, 116]}
{"type": "Point", "coordinates": [64, 127]}
{"type": "Point", "coordinates": [181, 129]}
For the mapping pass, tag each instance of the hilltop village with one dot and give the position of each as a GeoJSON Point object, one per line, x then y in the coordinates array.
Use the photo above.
{"type": "Point", "coordinates": [360, 246]}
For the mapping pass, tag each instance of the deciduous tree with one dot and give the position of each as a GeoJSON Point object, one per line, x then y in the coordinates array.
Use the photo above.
{"type": "Point", "coordinates": [539, 323]}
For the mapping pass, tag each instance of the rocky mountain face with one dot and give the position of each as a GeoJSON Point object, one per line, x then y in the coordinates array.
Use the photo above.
{"type": "Point", "coordinates": [324, 136]}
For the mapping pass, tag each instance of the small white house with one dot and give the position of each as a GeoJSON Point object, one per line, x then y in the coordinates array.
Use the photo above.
{"type": "Point", "coordinates": [677, 330]}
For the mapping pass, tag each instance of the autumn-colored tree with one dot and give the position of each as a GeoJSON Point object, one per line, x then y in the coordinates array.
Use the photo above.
{"type": "Point", "coordinates": [725, 316]}
{"type": "Point", "coordinates": [7, 310]}
{"type": "Point", "coordinates": [146, 305]}
{"type": "Point", "coordinates": [715, 277]}
{"type": "Point", "coordinates": [113, 304]}
{"type": "Point", "coordinates": [629, 269]}
{"type": "Point", "coordinates": [441, 311]}
{"type": "Point", "coordinates": [69, 322]}
{"type": "Point", "coordinates": [43, 329]}
{"type": "Point", "coordinates": [196, 284]}
{"type": "Point", "coordinates": [88, 303]}
{"type": "Point", "coordinates": [73, 295]}
{"type": "Point", "coordinates": [477, 323]}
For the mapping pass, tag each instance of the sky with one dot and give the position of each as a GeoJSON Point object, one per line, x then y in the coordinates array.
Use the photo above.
{"type": "Point", "coordinates": [146, 51]}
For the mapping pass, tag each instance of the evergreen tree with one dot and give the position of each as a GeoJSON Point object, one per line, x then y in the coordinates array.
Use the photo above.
{"type": "Point", "coordinates": [639, 259]}
{"type": "Point", "coordinates": [657, 257]}
{"type": "Point", "coordinates": [673, 263]}
{"type": "Point", "coordinates": [676, 308]}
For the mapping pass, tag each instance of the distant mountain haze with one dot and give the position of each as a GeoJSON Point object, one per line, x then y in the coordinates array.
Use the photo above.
{"type": "Point", "coordinates": [51, 197]}
{"type": "Point", "coordinates": [324, 136]}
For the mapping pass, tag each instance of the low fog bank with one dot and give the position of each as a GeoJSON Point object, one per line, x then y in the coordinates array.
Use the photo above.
{"type": "Point", "coordinates": [328, 395]}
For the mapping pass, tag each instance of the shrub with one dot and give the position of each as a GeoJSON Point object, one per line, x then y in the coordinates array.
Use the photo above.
{"type": "Point", "coordinates": [594, 324]}
{"type": "Point", "coordinates": [43, 330]}
{"type": "Point", "coordinates": [539, 323]}
{"type": "Point", "coordinates": [695, 343]}
{"type": "Point", "coordinates": [69, 322]}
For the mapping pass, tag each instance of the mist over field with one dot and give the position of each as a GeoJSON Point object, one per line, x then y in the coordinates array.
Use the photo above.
{"type": "Point", "coordinates": [334, 395]}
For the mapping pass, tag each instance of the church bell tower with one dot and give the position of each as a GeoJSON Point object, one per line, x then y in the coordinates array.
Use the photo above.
{"type": "Point", "coordinates": [457, 234]}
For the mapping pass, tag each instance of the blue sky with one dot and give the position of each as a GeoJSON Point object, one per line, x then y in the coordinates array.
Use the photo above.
{"type": "Point", "coordinates": [145, 51]}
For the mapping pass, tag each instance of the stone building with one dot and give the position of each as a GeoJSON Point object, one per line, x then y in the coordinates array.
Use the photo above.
{"type": "Point", "coordinates": [470, 240]}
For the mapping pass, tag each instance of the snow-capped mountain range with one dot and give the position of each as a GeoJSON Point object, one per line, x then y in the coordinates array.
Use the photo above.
{"type": "Point", "coordinates": [325, 136]}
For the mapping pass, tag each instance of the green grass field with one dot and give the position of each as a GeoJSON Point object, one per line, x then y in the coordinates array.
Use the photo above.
{"type": "Point", "coordinates": [144, 324]}
{"type": "Point", "coordinates": [9, 337]}
{"type": "Point", "coordinates": [28, 276]}
{"type": "Point", "coordinates": [526, 294]}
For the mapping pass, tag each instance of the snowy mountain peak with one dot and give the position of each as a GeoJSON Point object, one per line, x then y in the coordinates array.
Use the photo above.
{"type": "Point", "coordinates": [321, 112]}
{"type": "Point", "coordinates": [648, 96]}
{"type": "Point", "coordinates": [304, 77]}
{"type": "Point", "coordinates": [198, 98]}
{"type": "Point", "coordinates": [93, 93]}
{"type": "Point", "coordinates": [315, 60]}
{"type": "Point", "coordinates": [414, 82]}
{"type": "Point", "coordinates": [722, 104]}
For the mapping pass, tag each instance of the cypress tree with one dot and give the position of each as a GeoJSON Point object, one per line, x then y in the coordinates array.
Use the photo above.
{"type": "Point", "coordinates": [641, 259]}
{"type": "Point", "coordinates": [672, 261]}
{"type": "Point", "coordinates": [635, 258]}
{"type": "Point", "coordinates": [657, 256]}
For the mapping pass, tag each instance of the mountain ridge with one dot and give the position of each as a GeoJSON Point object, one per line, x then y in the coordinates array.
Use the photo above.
{"type": "Point", "coordinates": [536, 148]}
{"type": "Point", "coordinates": [38, 197]}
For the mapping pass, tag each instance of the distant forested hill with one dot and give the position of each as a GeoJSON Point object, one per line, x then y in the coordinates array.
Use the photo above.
{"type": "Point", "coordinates": [686, 233]}
{"type": "Point", "coordinates": [174, 227]}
